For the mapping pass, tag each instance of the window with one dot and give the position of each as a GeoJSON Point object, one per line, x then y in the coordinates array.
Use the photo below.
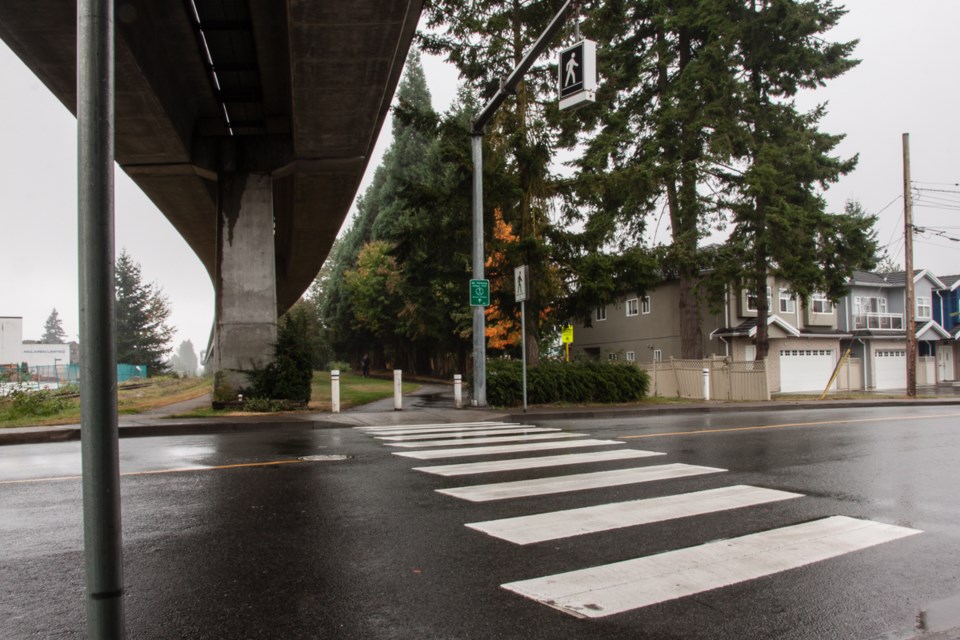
{"type": "Point", "coordinates": [820, 303]}
{"type": "Point", "coordinates": [788, 303]}
{"type": "Point", "coordinates": [869, 305]}
{"type": "Point", "coordinates": [601, 313]}
{"type": "Point", "coordinates": [752, 300]}
{"type": "Point", "coordinates": [657, 355]}
{"type": "Point", "coordinates": [645, 305]}
{"type": "Point", "coordinates": [923, 307]}
{"type": "Point", "coordinates": [613, 356]}
{"type": "Point", "coordinates": [632, 307]}
{"type": "Point", "coordinates": [631, 356]}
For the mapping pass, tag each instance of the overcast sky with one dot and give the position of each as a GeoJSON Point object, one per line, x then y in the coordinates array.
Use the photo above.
{"type": "Point", "coordinates": [907, 82]}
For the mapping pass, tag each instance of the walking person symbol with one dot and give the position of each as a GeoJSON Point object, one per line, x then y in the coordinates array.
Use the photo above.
{"type": "Point", "coordinates": [572, 65]}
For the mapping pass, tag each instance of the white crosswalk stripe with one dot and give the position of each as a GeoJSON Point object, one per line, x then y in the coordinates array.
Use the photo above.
{"type": "Point", "coordinates": [574, 522]}
{"type": "Point", "coordinates": [429, 428]}
{"type": "Point", "coordinates": [577, 482]}
{"type": "Point", "coordinates": [609, 589]}
{"type": "Point", "coordinates": [439, 430]}
{"type": "Point", "coordinates": [622, 586]}
{"type": "Point", "coordinates": [467, 434]}
{"type": "Point", "coordinates": [516, 464]}
{"type": "Point", "coordinates": [464, 452]}
{"type": "Point", "coordinates": [448, 442]}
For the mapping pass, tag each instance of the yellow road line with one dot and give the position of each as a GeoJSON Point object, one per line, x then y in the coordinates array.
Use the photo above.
{"type": "Point", "coordinates": [244, 465]}
{"type": "Point", "coordinates": [786, 425]}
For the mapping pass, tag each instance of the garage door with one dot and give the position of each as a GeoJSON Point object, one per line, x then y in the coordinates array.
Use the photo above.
{"type": "Point", "coordinates": [805, 369]}
{"type": "Point", "coordinates": [891, 369]}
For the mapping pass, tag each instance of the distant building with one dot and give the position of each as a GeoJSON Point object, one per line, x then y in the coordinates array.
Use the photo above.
{"type": "Point", "coordinates": [11, 340]}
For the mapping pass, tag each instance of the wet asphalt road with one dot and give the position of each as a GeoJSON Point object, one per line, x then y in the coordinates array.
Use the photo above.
{"type": "Point", "coordinates": [366, 548]}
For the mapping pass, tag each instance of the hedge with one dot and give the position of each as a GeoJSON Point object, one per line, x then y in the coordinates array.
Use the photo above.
{"type": "Point", "coordinates": [573, 382]}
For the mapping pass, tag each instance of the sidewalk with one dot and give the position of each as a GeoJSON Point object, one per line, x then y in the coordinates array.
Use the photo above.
{"type": "Point", "coordinates": [431, 403]}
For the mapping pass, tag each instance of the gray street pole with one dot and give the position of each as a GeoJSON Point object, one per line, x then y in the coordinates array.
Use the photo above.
{"type": "Point", "coordinates": [102, 543]}
{"type": "Point", "coordinates": [479, 321]}
{"type": "Point", "coordinates": [507, 88]}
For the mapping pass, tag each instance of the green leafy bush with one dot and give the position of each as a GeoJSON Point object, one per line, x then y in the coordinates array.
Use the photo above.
{"type": "Point", "coordinates": [33, 404]}
{"type": "Point", "coordinates": [574, 382]}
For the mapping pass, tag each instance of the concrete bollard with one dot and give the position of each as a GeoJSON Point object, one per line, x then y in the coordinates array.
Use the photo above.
{"type": "Point", "coordinates": [706, 384]}
{"type": "Point", "coordinates": [458, 391]}
{"type": "Point", "coordinates": [397, 389]}
{"type": "Point", "coordinates": [335, 390]}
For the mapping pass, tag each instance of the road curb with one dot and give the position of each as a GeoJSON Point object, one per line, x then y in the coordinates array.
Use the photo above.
{"type": "Point", "coordinates": [161, 427]}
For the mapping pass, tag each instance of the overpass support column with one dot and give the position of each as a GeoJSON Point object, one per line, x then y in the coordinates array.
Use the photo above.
{"type": "Point", "coordinates": [246, 281]}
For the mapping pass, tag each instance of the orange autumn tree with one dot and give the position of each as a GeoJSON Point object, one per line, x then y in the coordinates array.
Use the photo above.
{"type": "Point", "coordinates": [502, 319]}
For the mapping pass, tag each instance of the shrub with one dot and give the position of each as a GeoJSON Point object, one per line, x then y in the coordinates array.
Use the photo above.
{"type": "Point", "coordinates": [338, 365]}
{"type": "Point", "coordinates": [576, 382]}
{"type": "Point", "coordinates": [32, 404]}
{"type": "Point", "coordinates": [290, 375]}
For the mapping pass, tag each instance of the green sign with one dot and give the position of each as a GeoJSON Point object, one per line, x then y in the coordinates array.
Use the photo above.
{"type": "Point", "coordinates": [479, 293]}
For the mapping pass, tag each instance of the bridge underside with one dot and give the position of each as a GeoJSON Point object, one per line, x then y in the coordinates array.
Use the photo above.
{"type": "Point", "coordinates": [211, 91]}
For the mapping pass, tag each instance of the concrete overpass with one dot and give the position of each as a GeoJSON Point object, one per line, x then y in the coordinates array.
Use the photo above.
{"type": "Point", "coordinates": [249, 123]}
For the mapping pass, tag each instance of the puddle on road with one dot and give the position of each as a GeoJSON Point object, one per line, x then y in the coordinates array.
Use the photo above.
{"type": "Point", "coordinates": [332, 457]}
{"type": "Point", "coordinates": [941, 616]}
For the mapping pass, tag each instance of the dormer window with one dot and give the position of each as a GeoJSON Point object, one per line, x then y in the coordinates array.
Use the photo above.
{"type": "Point", "coordinates": [923, 307]}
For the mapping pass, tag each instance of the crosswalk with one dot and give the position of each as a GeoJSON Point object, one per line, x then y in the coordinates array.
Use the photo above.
{"type": "Point", "coordinates": [625, 585]}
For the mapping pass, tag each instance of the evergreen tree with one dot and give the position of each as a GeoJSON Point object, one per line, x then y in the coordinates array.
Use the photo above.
{"type": "Point", "coordinates": [142, 311]}
{"type": "Point", "coordinates": [781, 225]}
{"type": "Point", "coordinates": [653, 141]}
{"type": "Point", "coordinates": [53, 332]}
{"type": "Point", "coordinates": [485, 40]}
{"type": "Point", "coordinates": [185, 360]}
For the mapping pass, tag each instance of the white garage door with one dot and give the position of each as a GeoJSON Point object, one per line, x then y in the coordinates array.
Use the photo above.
{"type": "Point", "coordinates": [890, 366]}
{"type": "Point", "coordinates": [805, 369]}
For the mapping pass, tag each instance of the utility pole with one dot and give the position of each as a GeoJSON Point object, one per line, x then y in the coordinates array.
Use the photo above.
{"type": "Point", "coordinates": [507, 88]}
{"type": "Point", "coordinates": [908, 304]}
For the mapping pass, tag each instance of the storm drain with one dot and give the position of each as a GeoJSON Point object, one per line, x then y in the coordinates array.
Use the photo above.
{"type": "Point", "coordinates": [332, 457]}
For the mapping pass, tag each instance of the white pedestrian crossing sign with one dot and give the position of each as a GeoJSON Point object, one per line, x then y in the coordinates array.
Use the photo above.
{"type": "Point", "coordinates": [577, 75]}
{"type": "Point", "coordinates": [521, 283]}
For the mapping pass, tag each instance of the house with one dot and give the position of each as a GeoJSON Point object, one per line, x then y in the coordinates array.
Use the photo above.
{"type": "Point", "coordinates": [804, 338]}
{"type": "Point", "coordinates": [946, 311]}
{"type": "Point", "coordinates": [874, 315]}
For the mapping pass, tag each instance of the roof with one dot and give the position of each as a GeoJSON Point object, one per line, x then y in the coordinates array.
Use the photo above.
{"type": "Point", "coordinates": [950, 282]}
{"type": "Point", "coordinates": [893, 279]}
{"type": "Point", "coordinates": [869, 278]}
{"type": "Point", "coordinates": [748, 328]}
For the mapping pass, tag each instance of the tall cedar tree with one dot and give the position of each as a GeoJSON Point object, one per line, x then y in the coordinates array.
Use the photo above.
{"type": "Point", "coordinates": [653, 141]}
{"type": "Point", "coordinates": [485, 40]}
{"type": "Point", "coordinates": [143, 335]}
{"type": "Point", "coordinates": [53, 332]}
{"type": "Point", "coordinates": [419, 195]}
{"type": "Point", "coordinates": [781, 225]}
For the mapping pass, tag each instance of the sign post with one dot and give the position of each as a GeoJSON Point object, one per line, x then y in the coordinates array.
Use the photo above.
{"type": "Point", "coordinates": [567, 337]}
{"type": "Point", "coordinates": [521, 290]}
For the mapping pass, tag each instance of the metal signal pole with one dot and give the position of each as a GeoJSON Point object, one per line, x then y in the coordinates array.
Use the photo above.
{"type": "Point", "coordinates": [102, 545]}
{"type": "Point", "coordinates": [507, 88]}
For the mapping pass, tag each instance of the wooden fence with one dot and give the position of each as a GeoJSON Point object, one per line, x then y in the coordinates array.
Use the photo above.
{"type": "Point", "coordinates": [729, 379]}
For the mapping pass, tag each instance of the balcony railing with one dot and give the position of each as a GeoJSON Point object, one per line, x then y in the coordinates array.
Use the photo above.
{"type": "Point", "coordinates": [879, 321]}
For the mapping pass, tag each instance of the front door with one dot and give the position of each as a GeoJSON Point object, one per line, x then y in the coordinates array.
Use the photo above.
{"type": "Point", "coordinates": [945, 371]}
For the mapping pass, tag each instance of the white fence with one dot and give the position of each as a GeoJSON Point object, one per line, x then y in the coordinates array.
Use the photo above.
{"type": "Point", "coordinates": [729, 379]}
